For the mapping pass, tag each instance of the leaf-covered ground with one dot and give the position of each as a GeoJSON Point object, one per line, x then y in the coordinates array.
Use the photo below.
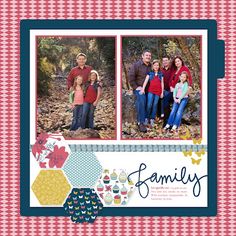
{"type": "Point", "coordinates": [191, 120]}
{"type": "Point", "coordinates": [130, 131]}
{"type": "Point", "coordinates": [53, 113]}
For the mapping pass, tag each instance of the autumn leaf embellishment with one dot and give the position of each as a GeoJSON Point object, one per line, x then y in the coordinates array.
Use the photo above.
{"type": "Point", "coordinates": [57, 157]}
{"type": "Point", "coordinates": [39, 146]}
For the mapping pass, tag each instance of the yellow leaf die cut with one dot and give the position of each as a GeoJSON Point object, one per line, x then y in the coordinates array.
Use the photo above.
{"type": "Point", "coordinates": [200, 152]}
{"type": "Point", "coordinates": [197, 141]}
{"type": "Point", "coordinates": [188, 153]}
{"type": "Point", "coordinates": [186, 136]}
{"type": "Point", "coordinates": [194, 161]}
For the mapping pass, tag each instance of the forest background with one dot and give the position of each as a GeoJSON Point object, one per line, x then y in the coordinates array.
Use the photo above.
{"type": "Point", "coordinates": [188, 48]}
{"type": "Point", "coordinates": [56, 56]}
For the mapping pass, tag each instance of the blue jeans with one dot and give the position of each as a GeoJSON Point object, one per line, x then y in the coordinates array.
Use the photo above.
{"type": "Point", "coordinates": [88, 115]}
{"type": "Point", "coordinates": [161, 100]}
{"type": "Point", "coordinates": [140, 106]}
{"type": "Point", "coordinates": [177, 112]}
{"type": "Point", "coordinates": [168, 98]}
{"type": "Point", "coordinates": [152, 102]}
{"type": "Point", "coordinates": [77, 117]}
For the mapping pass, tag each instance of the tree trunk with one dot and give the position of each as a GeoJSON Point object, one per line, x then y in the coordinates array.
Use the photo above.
{"type": "Point", "coordinates": [185, 49]}
{"type": "Point", "coordinates": [160, 48]}
{"type": "Point", "coordinates": [126, 75]}
{"type": "Point", "coordinates": [192, 61]}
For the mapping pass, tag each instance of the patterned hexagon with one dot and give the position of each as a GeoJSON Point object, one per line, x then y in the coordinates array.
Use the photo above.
{"type": "Point", "coordinates": [50, 150]}
{"type": "Point", "coordinates": [82, 169]}
{"type": "Point", "coordinates": [83, 205]}
{"type": "Point", "coordinates": [114, 188]}
{"type": "Point", "coordinates": [51, 187]}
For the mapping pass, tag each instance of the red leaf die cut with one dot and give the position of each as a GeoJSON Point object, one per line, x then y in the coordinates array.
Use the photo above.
{"type": "Point", "coordinates": [57, 157]}
{"type": "Point", "coordinates": [41, 140]}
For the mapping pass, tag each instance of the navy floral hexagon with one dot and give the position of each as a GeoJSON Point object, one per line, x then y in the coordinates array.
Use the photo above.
{"type": "Point", "coordinates": [82, 169]}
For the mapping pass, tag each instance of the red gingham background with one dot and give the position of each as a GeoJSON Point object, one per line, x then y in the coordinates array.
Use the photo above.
{"type": "Point", "coordinates": [11, 223]}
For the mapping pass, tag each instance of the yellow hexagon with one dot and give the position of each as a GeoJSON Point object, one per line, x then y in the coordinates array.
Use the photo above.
{"type": "Point", "coordinates": [51, 187]}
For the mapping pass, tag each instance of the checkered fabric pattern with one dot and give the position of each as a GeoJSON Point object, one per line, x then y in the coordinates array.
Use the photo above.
{"type": "Point", "coordinates": [11, 12]}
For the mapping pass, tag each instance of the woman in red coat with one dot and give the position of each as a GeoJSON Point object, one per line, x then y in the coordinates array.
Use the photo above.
{"type": "Point", "coordinates": [178, 67]}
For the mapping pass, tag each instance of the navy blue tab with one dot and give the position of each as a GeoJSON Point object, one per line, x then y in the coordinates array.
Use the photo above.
{"type": "Point", "coordinates": [220, 59]}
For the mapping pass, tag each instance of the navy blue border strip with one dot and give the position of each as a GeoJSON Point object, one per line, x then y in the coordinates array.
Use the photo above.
{"type": "Point", "coordinates": [24, 121]}
{"type": "Point", "coordinates": [213, 48]}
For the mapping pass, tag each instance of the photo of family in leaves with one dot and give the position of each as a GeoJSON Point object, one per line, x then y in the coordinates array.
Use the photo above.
{"type": "Point", "coordinates": [76, 87]}
{"type": "Point", "coordinates": [158, 85]}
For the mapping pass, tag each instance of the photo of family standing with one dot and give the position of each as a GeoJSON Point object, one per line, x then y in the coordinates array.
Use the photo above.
{"type": "Point", "coordinates": [161, 87]}
{"type": "Point", "coordinates": [76, 87]}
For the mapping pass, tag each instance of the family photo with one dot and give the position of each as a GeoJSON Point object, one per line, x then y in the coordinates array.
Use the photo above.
{"type": "Point", "coordinates": [161, 87]}
{"type": "Point", "coordinates": [76, 87]}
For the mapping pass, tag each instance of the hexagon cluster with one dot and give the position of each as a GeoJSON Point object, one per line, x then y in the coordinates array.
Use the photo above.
{"type": "Point", "coordinates": [51, 187]}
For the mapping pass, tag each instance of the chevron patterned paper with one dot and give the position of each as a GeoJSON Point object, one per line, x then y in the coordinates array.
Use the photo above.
{"type": "Point", "coordinates": [11, 12]}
